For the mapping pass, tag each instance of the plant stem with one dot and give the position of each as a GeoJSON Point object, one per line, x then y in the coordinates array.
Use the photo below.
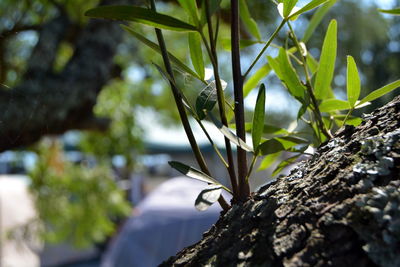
{"type": "Point", "coordinates": [253, 162]}
{"type": "Point", "coordinates": [212, 143]}
{"type": "Point", "coordinates": [347, 116]}
{"type": "Point", "coordinates": [244, 188]}
{"type": "Point", "coordinates": [220, 96]}
{"type": "Point", "coordinates": [317, 112]}
{"type": "Point", "coordinates": [264, 48]}
{"type": "Point", "coordinates": [181, 109]}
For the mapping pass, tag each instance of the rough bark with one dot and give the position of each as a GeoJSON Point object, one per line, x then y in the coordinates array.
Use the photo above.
{"type": "Point", "coordinates": [339, 208]}
{"type": "Point", "coordinates": [52, 103]}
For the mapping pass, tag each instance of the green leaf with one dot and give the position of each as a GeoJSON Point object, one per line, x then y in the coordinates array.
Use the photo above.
{"type": "Point", "coordinates": [165, 75]}
{"type": "Point", "coordinates": [258, 117]}
{"type": "Point", "coordinates": [278, 144]}
{"type": "Point", "coordinates": [316, 19]}
{"type": "Point", "coordinates": [271, 129]}
{"type": "Point", "coordinates": [288, 5]}
{"type": "Point", "coordinates": [395, 11]}
{"type": "Point", "coordinates": [254, 79]}
{"type": "Point", "coordinates": [207, 197]}
{"type": "Point", "coordinates": [206, 100]}
{"type": "Point", "coordinates": [284, 164]}
{"type": "Point", "coordinates": [351, 120]}
{"type": "Point", "coordinates": [192, 172]}
{"type": "Point", "coordinates": [291, 140]}
{"type": "Point", "coordinates": [268, 129]}
{"type": "Point", "coordinates": [179, 64]}
{"type": "Point", "coordinates": [324, 74]}
{"type": "Point", "coordinates": [270, 146]}
{"type": "Point", "coordinates": [169, 79]}
{"type": "Point", "coordinates": [228, 134]}
{"type": "Point", "coordinates": [268, 161]}
{"type": "Point", "coordinates": [190, 8]}
{"type": "Point", "coordinates": [214, 6]}
{"type": "Point", "coordinates": [303, 108]}
{"type": "Point", "coordinates": [248, 21]}
{"type": "Point", "coordinates": [380, 92]}
{"type": "Point", "coordinates": [333, 104]}
{"type": "Point", "coordinates": [196, 53]}
{"type": "Point", "coordinates": [313, 4]}
{"type": "Point", "coordinates": [353, 81]}
{"type": "Point", "coordinates": [285, 71]}
{"type": "Point", "coordinates": [312, 63]}
{"type": "Point", "coordinates": [141, 15]}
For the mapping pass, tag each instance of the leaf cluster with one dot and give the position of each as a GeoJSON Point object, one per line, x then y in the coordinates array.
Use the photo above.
{"type": "Point", "coordinates": [307, 79]}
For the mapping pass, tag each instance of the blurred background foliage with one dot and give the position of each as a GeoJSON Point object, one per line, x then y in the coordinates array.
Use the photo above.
{"type": "Point", "coordinates": [76, 203]}
{"type": "Point", "coordinates": [88, 194]}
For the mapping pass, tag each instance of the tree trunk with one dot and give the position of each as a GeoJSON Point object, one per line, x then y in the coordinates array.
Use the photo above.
{"type": "Point", "coordinates": [339, 208]}
{"type": "Point", "coordinates": [46, 102]}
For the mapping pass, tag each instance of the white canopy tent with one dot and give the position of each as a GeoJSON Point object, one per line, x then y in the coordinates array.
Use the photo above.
{"type": "Point", "coordinates": [163, 223]}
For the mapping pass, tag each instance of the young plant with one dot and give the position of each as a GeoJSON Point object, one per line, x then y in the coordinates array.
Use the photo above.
{"type": "Point", "coordinates": [320, 110]}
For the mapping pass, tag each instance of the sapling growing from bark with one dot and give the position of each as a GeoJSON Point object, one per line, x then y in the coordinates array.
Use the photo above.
{"type": "Point", "coordinates": [307, 79]}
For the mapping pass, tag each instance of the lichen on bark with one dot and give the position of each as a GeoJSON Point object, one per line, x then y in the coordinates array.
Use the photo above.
{"type": "Point", "coordinates": [339, 208]}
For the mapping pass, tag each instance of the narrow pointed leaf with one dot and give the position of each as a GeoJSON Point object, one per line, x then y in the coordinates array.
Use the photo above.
{"type": "Point", "coordinates": [141, 15]}
{"type": "Point", "coordinates": [165, 75]}
{"type": "Point", "coordinates": [326, 68]}
{"type": "Point", "coordinates": [312, 63]}
{"type": "Point", "coordinates": [258, 117]}
{"type": "Point", "coordinates": [330, 105]}
{"type": "Point", "coordinates": [268, 129]}
{"type": "Point", "coordinates": [248, 21]}
{"type": "Point", "coordinates": [254, 79]}
{"type": "Point", "coordinates": [285, 71]}
{"type": "Point", "coordinates": [271, 129]}
{"type": "Point", "coordinates": [284, 164]}
{"type": "Point", "coordinates": [278, 144]}
{"type": "Point", "coordinates": [288, 5]}
{"type": "Point", "coordinates": [268, 161]}
{"type": "Point", "coordinates": [353, 81]}
{"type": "Point", "coordinates": [206, 100]}
{"type": "Point", "coordinates": [190, 8]}
{"type": "Point", "coordinates": [380, 92]}
{"type": "Point", "coordinates": [196, 53]}
{"type": "Point", "coordinates": [291, 140]}
{"type": "Point", "coordinates": [214, 6]}
{"type": "Point", "coordinates": [270, 146]}
{"type": "Point", "coordinates": [207, 197]}
{"type": "Point", "coordinates": [313, 4]}
{"type": "Point", "coordinates": [192, 172]}
{"type": "Point", "coordinates": [316, 19]}
{"type": "Point", "coordinates": [351, 120]}
{"type": "Point", "coordinates": [395, 11]}
{"type": "Point", "coordinates": [230, 135]}
{"type": "Point", "coordinates": [177, 63]}
{"type": "Point", "coordinates": [169, 79]}
{"type": "Point", "coordinates": [303, 109]}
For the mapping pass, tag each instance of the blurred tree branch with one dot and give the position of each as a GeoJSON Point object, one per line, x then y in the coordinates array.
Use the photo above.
{"type": "Point", "coordinates": [45, 102]}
